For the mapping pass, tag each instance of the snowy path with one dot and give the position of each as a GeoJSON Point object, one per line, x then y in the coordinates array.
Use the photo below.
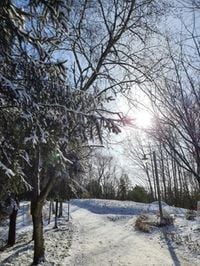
{"type": "Point", "coordinates": [100, 241]}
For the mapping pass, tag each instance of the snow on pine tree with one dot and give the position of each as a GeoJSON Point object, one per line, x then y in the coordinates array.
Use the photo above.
{"type": "Point", "coordinates": [61, 63]}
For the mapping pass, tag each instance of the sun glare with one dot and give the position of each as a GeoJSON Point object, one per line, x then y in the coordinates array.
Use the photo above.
{"type": "Point", "coordinates": [143, 119]}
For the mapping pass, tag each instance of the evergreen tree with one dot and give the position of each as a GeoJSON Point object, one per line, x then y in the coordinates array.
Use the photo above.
{"type": "Point", "coordinates": [57, 73]}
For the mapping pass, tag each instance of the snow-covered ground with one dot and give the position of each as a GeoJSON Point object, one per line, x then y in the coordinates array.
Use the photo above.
{"type": "Point", "coordinates": [101, 233]}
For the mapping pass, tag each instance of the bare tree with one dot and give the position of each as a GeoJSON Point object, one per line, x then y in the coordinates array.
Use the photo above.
{"type": "Point", "coordinates": [176, 100]}
{"type": "Point", "coordinates": [61, 62]}
{"type": "Point", "coordinates": [103, 176]}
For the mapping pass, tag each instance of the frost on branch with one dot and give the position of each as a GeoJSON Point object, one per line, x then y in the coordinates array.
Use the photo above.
{"type": "Point", "coordinates": [8, 172]}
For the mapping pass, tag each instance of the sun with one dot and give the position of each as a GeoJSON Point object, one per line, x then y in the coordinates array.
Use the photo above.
{"type": "Point", "coordinates": [143, 119]}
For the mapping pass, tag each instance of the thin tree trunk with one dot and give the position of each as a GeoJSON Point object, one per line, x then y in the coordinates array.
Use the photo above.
{"type": "Point", "coordinates": [12, 227]}
{"type": "Point", "coordinates": [68, 210]}
{"type": "Point", "coordinates": [169, 185]}
{"type": "Point", "coordinates": [50, 204]}
{"type": "Point", "coordinates": [56, 215]}
{"type": "Point", "coordinates": [149, 180]}
{"type": "Point", "coordinates": [174, 174]}
{"type": "Point", "coordinates": [153, 175]}
{"type": "Point", "coordinates": [60, 209]}
{"type": "Point", "coordinates": [180, 186]}
{"type": "Point", "coordinates": [163, 172]}
{"type": "Point", "coordinates": [53, 207]}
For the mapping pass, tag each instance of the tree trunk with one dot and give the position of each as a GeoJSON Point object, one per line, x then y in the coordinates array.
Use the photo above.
{"type": "Point", "coordinates": [12, 227]}
{"type": "Point", "coordinates": [68, 211]}
{"type": "Point", "coordinates": [180, 185]}
{"type": "Point", "coordinates": [56, 215]}
{"type": "Point", "coordinates": [149, 180]}
{"type": "Point", "coordinates": [39, 249]}
{"type": "Point", "coordinates": [153, 175]}
{"type": "Point", "coordinates": [163, 172]}
{"type": "Point", "coordinates": [53, 207]}
{"type": "Point", "coordinates": [169, 185]}
{"type": "Point", "coordinates": [38, 198]}
{"type": "Point", "coordinates": [50, 205]}
{"type": "Point", "coordinates": [60, 209]}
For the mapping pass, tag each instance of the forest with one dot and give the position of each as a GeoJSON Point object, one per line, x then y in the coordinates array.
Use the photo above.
{"type": "Point", "coordinates": [63, 66]}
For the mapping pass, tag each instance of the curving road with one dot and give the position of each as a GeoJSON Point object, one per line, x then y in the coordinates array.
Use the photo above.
{"type": "Point", "coordinates": [104, 240]}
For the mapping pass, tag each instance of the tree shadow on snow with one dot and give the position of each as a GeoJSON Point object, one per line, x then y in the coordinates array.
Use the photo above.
{"type": "Point", "coordinates": [92, 206]}
{"type": "Point", "coordinates": [171, 249]}
{"type": "Point", "coordinates": [19, 249]}
{"type": "Point", "coordinates": [21, 245]}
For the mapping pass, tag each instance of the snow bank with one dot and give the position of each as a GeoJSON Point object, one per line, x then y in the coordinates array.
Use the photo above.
{"type": "Point", "coordinates": [114, 207]}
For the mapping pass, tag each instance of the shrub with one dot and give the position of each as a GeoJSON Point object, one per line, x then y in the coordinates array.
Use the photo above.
{"type": "Point", "coordinates": [138, 194]}
{"type": "Point", "coordinates": [141, 224]}
{"type": "Point", "coordinates": [190, 215]}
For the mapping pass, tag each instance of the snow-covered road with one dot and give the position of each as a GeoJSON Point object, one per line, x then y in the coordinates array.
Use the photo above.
{"type": "Point", "coordinates": [105, 237]}
{"type": "Point", "coordinates": [101, 233]}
